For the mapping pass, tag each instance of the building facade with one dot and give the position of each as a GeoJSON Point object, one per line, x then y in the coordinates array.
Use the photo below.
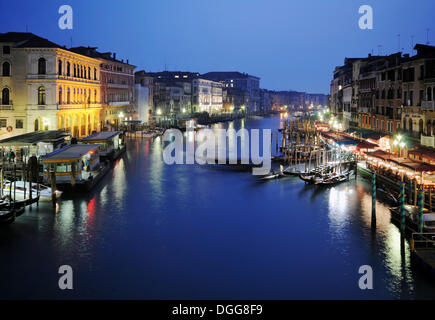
{"type": "Point", "coordinates": [45, 86]}
{"type": "Point", "coordinates": [242, 82]}
{"type": "Point", "coordinates": [117, 86]}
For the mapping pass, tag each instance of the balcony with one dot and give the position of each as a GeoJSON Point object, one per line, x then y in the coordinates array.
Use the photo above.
{"type": "Point", "coordinates": [6, 106]}
{"type": "Point", "coordinates": [36, 107]}
{"type": "Point", "coordinates": [118, 86]}
{"type": "Point", "coordinates": [79, 106]}
{"type": "Point", "coordinates": [120, 103]}
{"type": "Point", "coordinates": [427, 105]}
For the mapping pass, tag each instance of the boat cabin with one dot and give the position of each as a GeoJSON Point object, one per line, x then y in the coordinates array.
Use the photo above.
{"type": "Point", "coordinates": [73, 163]}
{"type": "Point", "coordinates": [37, 143]}
{"type": "Point", "coordinates": [110, 142]}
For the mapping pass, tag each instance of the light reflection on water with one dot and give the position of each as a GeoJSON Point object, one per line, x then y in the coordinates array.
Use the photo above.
{"type": "Point", "coordinates": [150, 230]}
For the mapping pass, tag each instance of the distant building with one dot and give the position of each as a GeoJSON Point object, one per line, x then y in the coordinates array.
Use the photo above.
{"type": "Point", "coordinates": [240, 81]}
{"type": "Point", "coordinates": [178, 94]}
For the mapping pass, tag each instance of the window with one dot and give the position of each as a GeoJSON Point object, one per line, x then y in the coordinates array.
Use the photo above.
{"type": "Point", "coordinates": [6, 69]}
{"type": "Point", "coordinates": [6, 49]}
{"type": "Point", "coordinates": [19, 124]}
{"type": "Point", "coordinates": [41, 96]}
{"type": "Point", "coordinates": [3, 123]}
{"type": "Point", "coordinates": [5, 97]}
{"type": "Point", "coordinates": [68, 67]}
{"type": "Point", "coordinates": [41, 66]}
{"type": "Point", "coordinates": [89, 73]}
{"type": "Point", "coordinates": [60, 95]}
{"type": "Point", "coordinates": [59, 67]}
{"type": "Point", "coordinates": [95, 73]}
{"type": "Point", "coordinates": [429, 94]}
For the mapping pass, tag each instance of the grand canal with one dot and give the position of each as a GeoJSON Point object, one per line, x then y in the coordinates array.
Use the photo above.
{"type": "Point", "coordinates": [155, 231]}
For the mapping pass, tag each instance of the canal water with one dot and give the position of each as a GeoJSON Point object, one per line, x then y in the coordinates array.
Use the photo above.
{"type": "Point", "coordinates": [156, 231]}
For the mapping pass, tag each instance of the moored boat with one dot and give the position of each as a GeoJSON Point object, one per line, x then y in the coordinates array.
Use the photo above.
{"type": "Point", "coordinates": [20, 190]}
{"type": "Point", "coordinates": [411, 218]}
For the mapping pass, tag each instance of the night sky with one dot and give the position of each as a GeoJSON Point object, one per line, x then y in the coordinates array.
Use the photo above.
{"type": "Point", "coordinates": [289, 44]}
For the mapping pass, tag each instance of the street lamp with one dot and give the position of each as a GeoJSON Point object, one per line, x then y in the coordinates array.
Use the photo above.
{"type": "Point", "coordinates": [399, 143]}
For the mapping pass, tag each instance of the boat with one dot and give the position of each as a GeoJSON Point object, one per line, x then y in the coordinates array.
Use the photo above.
{"type": "Point", "coordinates": [332, 179]}
{"type": "Point", "coordinates": [7, 215]}
{"type": "Point", "coordinates": [39, 191]}
{"type": "Point", "coordinates": [411, 218]}
{"type": "Point", "coordinates": [271, 175]}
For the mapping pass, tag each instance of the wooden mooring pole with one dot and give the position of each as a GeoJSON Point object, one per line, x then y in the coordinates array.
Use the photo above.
{"type": "Point", "coordinates": [402, 206]}
{"type": "Point", "coordinates": [373, 196]}
{"type": "Point", "coordinates": [53, 187]}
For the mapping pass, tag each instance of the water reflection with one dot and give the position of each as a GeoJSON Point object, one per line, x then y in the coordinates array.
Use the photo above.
{"type": "Point", "coordinates": [154, 231]}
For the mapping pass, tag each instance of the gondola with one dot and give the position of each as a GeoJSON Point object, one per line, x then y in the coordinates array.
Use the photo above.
{"type": "Point", "coordinates": [271, 175]}
{"type": "Point", "coordinates": [411, 218]}
{"type": "Point", "coordinates": [333, 179]}
{"type": "Point", "coordinates": [7, 215]}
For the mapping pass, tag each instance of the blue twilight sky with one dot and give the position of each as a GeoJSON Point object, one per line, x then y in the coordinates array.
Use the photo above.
{"type": "Point", "coordinates": [290, 44]}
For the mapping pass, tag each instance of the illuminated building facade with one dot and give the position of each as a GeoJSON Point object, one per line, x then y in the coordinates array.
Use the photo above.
{"type": "Point", "coordinates": [117, 86]}
{"type": "Point", "coordinates": [45, 87]}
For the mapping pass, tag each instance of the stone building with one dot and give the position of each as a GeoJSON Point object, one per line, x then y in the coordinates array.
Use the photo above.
{"type": "Point", "coordinates": [45, 86]}
{"type": "Point", "coordinates": [117, 86]}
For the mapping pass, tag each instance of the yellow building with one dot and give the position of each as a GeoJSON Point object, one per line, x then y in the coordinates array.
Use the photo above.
{"type": "Point", "coordinates": [45, 87]}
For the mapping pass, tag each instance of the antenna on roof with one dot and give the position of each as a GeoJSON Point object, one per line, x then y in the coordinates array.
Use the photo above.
{"type": "Point", "coordinates": [379, 49]}
{"type": "Point", "coordinates": [412, 45]}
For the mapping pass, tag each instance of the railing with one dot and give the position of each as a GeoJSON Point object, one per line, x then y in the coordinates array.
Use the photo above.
{"type": "Point", "coordinates": [427, 105]}
{"type": "Point", "coordinates": [422, 240]}
{"type": "Point", "coordinates": [7, 106]}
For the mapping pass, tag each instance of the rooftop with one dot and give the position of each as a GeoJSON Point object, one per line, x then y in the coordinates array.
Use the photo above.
{"type": "Point", "coordinates": [28, 40]}
{"type": "Point", "coordinates": [223, 75]}
{"type": "Point", "coordinates": [70, 152]}
{"type": "Point", "coordinates": [35, 137]}
{"type": "Point", "coordinates": [103, 135]}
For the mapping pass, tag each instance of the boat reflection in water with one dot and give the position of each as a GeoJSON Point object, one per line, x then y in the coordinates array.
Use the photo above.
{"type": "Point", "coordinates": [154, 231]}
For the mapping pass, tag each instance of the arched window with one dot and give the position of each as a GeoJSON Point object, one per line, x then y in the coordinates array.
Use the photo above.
{"type": "Point", "coordinates": [60, 95]}
{"type": "Point", "coordinates": [89, 73]}
{"type": "Point", "coordinates": [68, 96]}
{"type": "Point", "coordinates": [6, 69]}
{"type": "Point", "coordinates": [41, 66]}
{"type": "Point", "coordinates": [429, 94]}
{"type": "Point", "coordinates": [36, 125]}
{"type": "Point", "coordinates": [429, 128]}
{"type": "Point", "coordinates": [5, 97]}
{"type": "Point", "coordinates": [95, 73]}
{"type": "Point", "coordinates": [68, 67]}
{"type": "Point", "coordinates": [41, 96]}
{"type": "Point", "coordinates": [59, 67]}
{"type": "Point", "coordinates": [420, 126]}
{"type": "Point", "coordinates": [410, 125]}
{"type": "Point", "coordinates": [75, 70]}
